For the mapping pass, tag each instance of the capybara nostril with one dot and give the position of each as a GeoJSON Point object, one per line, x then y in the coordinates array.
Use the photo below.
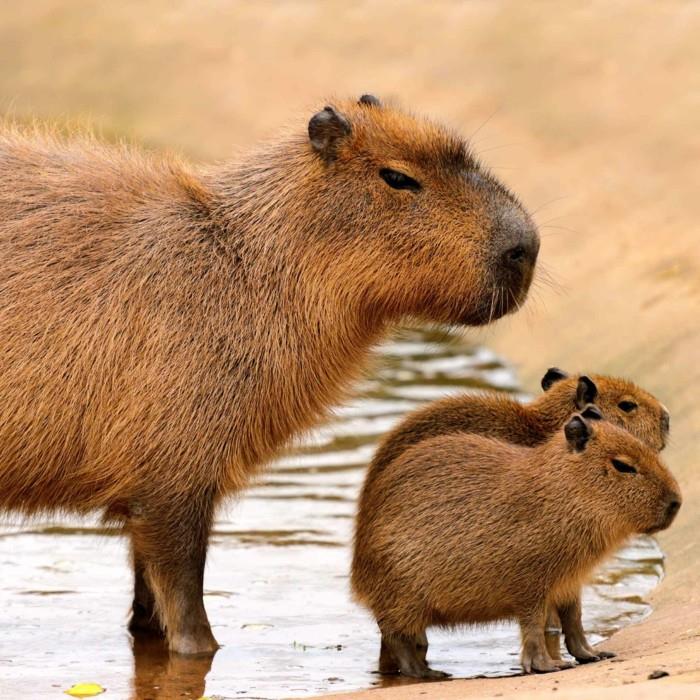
{"type": "Point", "coordinates": [516, 254]}
{"type": "Point", "coordinates": [674, 505]}
{"type": "Point", "coordinates": [522, 242]}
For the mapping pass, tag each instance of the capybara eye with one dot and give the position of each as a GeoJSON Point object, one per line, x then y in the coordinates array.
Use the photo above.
{"type": "Point", "coordinates": [399, 181]}
{"type": "Point", "coordinates": [627, 406]}
{"type": "Point", "coordinates": [623, 467]}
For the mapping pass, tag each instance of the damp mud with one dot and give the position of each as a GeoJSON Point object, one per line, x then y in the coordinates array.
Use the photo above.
{"type": "Point", "coordinates": [277, 576]}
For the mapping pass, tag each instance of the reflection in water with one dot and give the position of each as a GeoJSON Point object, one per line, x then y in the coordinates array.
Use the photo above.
{"type": "Point", "coordinates": [277, 589]}
{"type": "Point", "coordinates": [161, 676]}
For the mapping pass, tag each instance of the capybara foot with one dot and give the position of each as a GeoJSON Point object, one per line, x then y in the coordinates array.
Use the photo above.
{"type": "Point", "coordinates": [540, 663]}
{"type": "Point", "coordinates": [191, 644]}
{"type": "Point", "coordinates": [406, 652]}
{"type": "Point", "coordinates": [428, 674]}
{"type": "Point", "coordinates": [144, 622]}
{"type": "Point", "coordinates": [585, 657]}
{"type": "Point", "coordinates": [605, 654]}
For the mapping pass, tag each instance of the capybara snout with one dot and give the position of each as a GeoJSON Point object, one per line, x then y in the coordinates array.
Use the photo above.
{"type": "Point", "coordinates": [635, 483]}
{"type": "Point", "coordinates": [673, 505]}
{"type": "Point", "coordinates": [519, 245]}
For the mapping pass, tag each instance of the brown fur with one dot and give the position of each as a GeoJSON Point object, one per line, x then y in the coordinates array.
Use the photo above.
{"type": "Point", "coordinates": [499, 416]}
{"type": "Point", "coordinates": [469, 529]}
{"type": "Point", "coordinates": [166, 330]}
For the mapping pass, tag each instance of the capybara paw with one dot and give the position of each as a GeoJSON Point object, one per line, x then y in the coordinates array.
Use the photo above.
{"type": "Point", "coordinates": [142, 623]}
{"type": "Point", "coordinates": [426, 674]}
{"type": "Point", "coordinates": [584, 657]}
{"type": "Point", "coordinates": [193, 645]}
{"type": "Point", "coordinates": [542, 664]}
{"type": "Point", "coordinates": [605, 654]}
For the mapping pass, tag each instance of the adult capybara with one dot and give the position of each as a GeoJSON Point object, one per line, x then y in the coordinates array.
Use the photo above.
{"type": "Point", "coordinates": [471, 529]}
{"type": "Point", "coordinates": [499, 416]}
{"type": "Point", "coordinates": [166, 330]}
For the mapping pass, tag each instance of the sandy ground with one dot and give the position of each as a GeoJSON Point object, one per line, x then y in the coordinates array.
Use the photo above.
{"type": "Point", "coordinates": [590, 111]}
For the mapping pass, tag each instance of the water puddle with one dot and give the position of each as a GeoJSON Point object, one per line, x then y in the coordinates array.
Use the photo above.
{"type": "Point", "coordinates": [277, 588]}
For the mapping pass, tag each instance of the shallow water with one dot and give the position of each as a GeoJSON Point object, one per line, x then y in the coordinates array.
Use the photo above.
{"type": "Point", "coordinates": [276, 581]}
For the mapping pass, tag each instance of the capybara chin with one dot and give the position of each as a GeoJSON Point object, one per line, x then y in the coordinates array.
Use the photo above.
{"type": "Point", "coordinates": [467, 529]}
{"type": "Point", "coordinates": [166, 330]}
{"type": "Point", "coordinates": [499, 416]}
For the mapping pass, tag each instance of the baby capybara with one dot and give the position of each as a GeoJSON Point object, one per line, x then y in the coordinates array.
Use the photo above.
{"type": "Point", "coordinates": [496, 414]}
{"type": "Point", "coordinates": [468, 529]}
{"type": "Point", "coordinates": [166, 330]}
{"type": "Point", "coordinates": [499, 416]}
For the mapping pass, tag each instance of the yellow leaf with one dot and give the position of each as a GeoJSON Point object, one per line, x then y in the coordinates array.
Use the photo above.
{"type": "Point", "coordinates": [84, 690]}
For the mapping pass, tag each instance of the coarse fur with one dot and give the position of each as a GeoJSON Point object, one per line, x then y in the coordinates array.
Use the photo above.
{"type": "Point", "coordinates": [500, 416]}
{"type": "Point", "coordinates": [495, 414]}
{"type": "Point", "coordinates": [469, 529]}
{"type": "Point", "coordinates": [166, 329]}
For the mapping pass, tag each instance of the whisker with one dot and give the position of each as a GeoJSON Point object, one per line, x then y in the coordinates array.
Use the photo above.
{"type": "Point", "coordinates": [484, 123]}
{"type": "Point", "coordinates": [548, 202]}
{"type": "Point", "coordinates": [560, 228]}
{"type": "Point", "coordinates": [496, 148]}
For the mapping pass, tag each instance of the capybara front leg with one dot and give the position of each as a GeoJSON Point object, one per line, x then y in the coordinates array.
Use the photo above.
{"type": "Point", "coordinates": [422, 646]}
{"type": "Point", "coordinates": [575, 637]}
{"type": "Point", "coordinates": [535, 657]}
{"type": "Point", "coordinates": [144, 618]}
{"type": "Point", "coordinates": [404, 650]}
{"type": "Point", "coordinates": [387, 661]}
{"type": "Point", "coordinates": [172, 542]}
{"type": "Point", "coordinates": [552, 633]}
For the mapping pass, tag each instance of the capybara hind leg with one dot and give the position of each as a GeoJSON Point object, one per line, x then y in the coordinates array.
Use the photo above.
{"type": "Point", "coordinates": [552, 633]}
{"type": "Point", "coordinates": [387, 661]}
{"type": "Point", "coordinates": [173, 544]}
{"type": "Point", "coordinates": [422, 646]}
{"type": "Point", "coordinates": [144, 618]}
{"type": "Point", "coordinates": [404, 649]}
{"type": "Point", "coordinates": [575, 637]}
{"type": "Point", "coordinates": [534, 657]}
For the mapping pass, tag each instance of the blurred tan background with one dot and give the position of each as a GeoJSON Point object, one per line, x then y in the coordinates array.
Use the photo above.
{"type": "Point", "coordinates": [589, 111]}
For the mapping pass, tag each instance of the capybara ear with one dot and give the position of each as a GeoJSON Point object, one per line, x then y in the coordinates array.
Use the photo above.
{"type": "Point", "coordinates": [577, 433]}
{"type": "Point", "coordinates": [586, 391]}
{"type": "Point", "coordinates": [554, 374]}
{"type": "Point", "coordinates": [369, 100]}
{"type": "Point", "coordinates": [327, 129]}
{"type": "Point", "coordinates": [592, 412]}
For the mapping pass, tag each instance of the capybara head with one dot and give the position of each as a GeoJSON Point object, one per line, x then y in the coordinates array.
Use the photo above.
{"type": "Point", "coordinates": [620, 401]}
{"type": "Point", "coordinates": [621, 475]}
{"type": "Point", "coordinates": [412, 215]}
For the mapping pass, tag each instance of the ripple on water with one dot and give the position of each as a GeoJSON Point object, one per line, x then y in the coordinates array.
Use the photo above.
{"type": "Point", "coordinates": [277, 578]}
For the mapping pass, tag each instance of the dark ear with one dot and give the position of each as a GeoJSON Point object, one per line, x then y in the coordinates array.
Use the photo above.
{"type": "Point", "coordinates": [369, 100]}
{"type": "Point", "coordinates": [592, 412]}
{"type": "Point", "coordinates": [327, 129]}
{"type": "Point", "coordinates": [554, 374]}
{"type": "Point", "coordinates": [586, 391]}
{"type": "Point", "coordinates": [577, 433]}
